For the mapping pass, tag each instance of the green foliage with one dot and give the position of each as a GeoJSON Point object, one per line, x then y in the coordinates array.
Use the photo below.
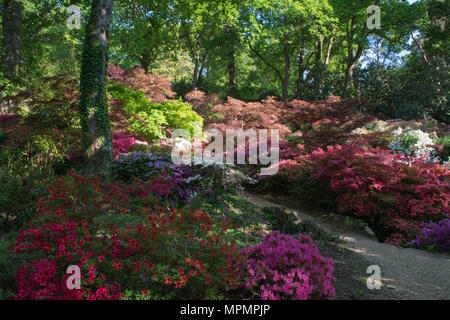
{"type": "Point", "coordinates": [444, 148]}
{"type": "Point", "coordinates": [408, 140]}
{"type": "Point", "coordinates": [148, 118]}
{"type": "Point", "coordinates": [18, 198]}
{"type": "Point", "coordinates": [53, 103]}
{"type": "Point", "coordinates": [415, 91]}
{"type": "Point", "coordinates": [9, 263]}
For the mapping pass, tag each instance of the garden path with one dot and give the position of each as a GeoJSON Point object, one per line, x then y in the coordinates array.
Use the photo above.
{"type": "Point", "coordinates": [408, 273]}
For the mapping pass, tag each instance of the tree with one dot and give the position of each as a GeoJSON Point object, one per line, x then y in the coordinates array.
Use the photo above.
{"type": "Point", "coordinates": [94, 116]}
{"type": "Point", "coordinates": [273, 30]}
{"type": "Point", "coordinates": [12, 33]}
{"type": "Point", "coordinates": [144, 31]}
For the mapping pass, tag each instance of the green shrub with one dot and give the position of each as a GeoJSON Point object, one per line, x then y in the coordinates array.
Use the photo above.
{"type": "Point", "coordinates": [9, 264]}
{"type": "Point", "coordinates": [18, 198]}
{"type": "Point", "coordinates": [443, 151]}
{"type": "Point", "coordinates": [148, 118]}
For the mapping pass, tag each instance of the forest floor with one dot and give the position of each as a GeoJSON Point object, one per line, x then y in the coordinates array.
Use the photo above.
{"type": "Point", "coordinates": [406, 274]}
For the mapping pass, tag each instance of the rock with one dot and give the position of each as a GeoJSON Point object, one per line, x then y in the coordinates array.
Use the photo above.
{"type": "Point", "coordinates": [369, 231]}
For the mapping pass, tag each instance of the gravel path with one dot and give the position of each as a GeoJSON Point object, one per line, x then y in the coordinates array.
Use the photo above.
{"type": "Point", "coordinates": [406, 273]}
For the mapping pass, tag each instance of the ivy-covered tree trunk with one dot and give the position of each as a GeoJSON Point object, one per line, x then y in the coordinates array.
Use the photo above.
{"type": "Point", "coordinates": [93, 103]}
{"type": "Point", "coordinates": [12, 29]}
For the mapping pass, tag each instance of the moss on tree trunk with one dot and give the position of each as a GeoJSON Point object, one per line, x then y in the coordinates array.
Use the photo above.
{"type": "Point", "coordinates": [94, 113]}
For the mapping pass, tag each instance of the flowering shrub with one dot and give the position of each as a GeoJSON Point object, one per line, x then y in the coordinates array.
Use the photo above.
{"type": "Point", "coordinates": [285, 267]}
{"type": "Point", "coordinates": [434, 235]}
{"type": "Point", "coordinates": [123, 242]}
{"type": "Point", "coordinates": [177, 181]}
{"type": "Point", "coordinates": [181, 182]}
{"type": "Point", "coordinates": [394, 197]}
{"type": "Point", "coordinates": [443, 148]}
{"type": "Point", "coordinates": [413, 143]}
{"type": "Point", "coordinates": [122, 143]}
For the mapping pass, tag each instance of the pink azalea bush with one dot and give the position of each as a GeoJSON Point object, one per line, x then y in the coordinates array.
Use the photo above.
{"type": "Point", "coordinates": [122, 143]}
{"type": "Point", "coordinates": [285, 267]}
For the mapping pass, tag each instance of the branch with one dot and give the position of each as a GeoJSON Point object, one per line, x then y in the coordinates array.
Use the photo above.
{"type": "Point", "coordinates": [422, 51]}
{"type": "Point", "coordinates": [265, 61]}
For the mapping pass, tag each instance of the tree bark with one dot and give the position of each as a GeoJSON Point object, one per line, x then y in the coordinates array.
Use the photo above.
{"type": "Point", "coordinates": [287, 71]}
{"type": "Point", "coordinates": [319, 50]}
{"type": "Point", "coordinates": [301, 72]}
{"type": "Point", "coordinates": [233, 91]}
{"type": "Point", "coordinates": [283, 79]}
{"type": "Point", "coordinates": [353, 57]}
{"type": "Point", "coordinates": [330, 47]}
{"type": "Point", "coordinates": [12, 32]}
{"type": "Point", "coordinates": [93, 102]}
{"type": "Point", "coordinates": [195, 77]}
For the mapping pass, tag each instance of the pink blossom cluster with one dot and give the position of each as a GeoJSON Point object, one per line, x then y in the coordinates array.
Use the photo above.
{"type": "Point", "coordinates": [287, 267]}
{"type": "Point", "coordinates": [122, 143]}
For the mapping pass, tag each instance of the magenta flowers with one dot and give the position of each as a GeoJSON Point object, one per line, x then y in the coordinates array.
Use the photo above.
{"type": "Point", "coordinates": [285, 267]}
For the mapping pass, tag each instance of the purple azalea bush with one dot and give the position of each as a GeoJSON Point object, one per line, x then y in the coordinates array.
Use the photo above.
{"type": "Point", "coordinates": [435, 235]}
{"type": "Point", "coordinates": [287, 267]}
{"type": "Point", "coordinates": [147, 166]}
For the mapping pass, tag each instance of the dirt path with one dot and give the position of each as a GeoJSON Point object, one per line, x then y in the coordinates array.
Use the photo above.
{"type": "Point", "coordinates": [405, 273]}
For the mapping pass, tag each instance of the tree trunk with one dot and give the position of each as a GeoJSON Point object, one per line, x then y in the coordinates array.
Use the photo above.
{"type": "Point", "coordinates": [287, 70]}
{"type": "Point", "coordinates": [232, 43]}
{"type": "Point", "coordinates": [94, 113]}
{"type": "Point", "coordinates": [200, 76]}
{"type": "Point", "coordinates": [12, 31]}
{"type": "Point", "coordinates": [319, 49]}
{"type": "Point", "coordinates": [145, 61]}
{"type": "Point", "coordinates": [233, 91]}
{"type": "Point", "coordinates": [196, 70]}
{"type": "Point", "coordinates": [301, 72]}
{"type": "Point", "coordinates": [352, 58]}
{"type": "Point", "coordinates": [330, 47]}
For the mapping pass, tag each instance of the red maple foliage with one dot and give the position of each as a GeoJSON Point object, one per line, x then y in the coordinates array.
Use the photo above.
{"type": "Point", "coordinates": [157, 88]}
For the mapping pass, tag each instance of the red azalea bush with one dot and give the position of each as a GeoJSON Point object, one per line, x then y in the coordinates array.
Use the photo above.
{"type": "Point", "coordinates": [285, 267]}
{"type": "Point", "coordinates": [394, 197]}
{"type": "Point", "coordinates": [122, 143]}
{"type": "Point", "coordinates": [125, 244]}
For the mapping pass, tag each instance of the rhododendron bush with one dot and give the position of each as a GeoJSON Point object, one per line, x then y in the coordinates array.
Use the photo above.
{"type": "Point", "coordinates": [124, 243]}
{"type": "Point", "coordinates": [435, 236]}
{"type": "Point", "coordinates": [122, 143]}
{"type": "Point", "coordinates": [395, 197]}
{"type": "Point", "coordinates": [285, 267]}
{"type": "Point", "coordinates": [176, 182]}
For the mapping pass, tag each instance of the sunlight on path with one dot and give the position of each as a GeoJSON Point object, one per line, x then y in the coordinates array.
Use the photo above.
{"type": "Point", "coordinates": [410, 273]}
